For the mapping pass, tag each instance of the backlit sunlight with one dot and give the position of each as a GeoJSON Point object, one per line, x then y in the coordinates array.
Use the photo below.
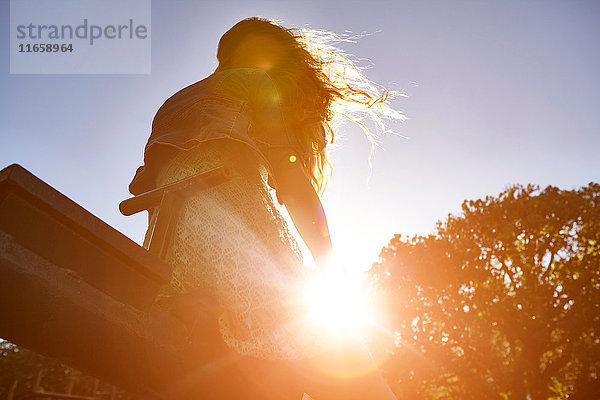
{"type": "Point", "coordinates": [339, 308]}
{"type": "Point", "coordinates": [337, 302]}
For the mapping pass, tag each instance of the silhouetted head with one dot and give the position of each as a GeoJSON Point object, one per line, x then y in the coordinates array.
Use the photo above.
{"type": "Point", "coordinates": [256, 43]}
{"type": "Point", "coordinates": [304, 90]}
{"type": "Point", "coordinates": [311, 76]}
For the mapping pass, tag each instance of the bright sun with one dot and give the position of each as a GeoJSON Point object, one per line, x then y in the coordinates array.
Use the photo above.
{"type": "Point", "coordinates": [338, 308]}
{"type": "Point", "coordinates": [336, 301]}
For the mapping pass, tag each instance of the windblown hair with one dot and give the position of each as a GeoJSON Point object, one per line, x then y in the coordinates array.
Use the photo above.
{"type": "Point", "coordinates": [319, 86]}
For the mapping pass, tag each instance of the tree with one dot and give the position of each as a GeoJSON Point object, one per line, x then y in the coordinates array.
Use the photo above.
{"type": "Point", "coordinates": [502, 301]}
{"type": "Point", "coordinates": [19, 366]}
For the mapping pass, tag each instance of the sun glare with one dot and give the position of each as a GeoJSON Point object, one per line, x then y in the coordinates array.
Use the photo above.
{"type": "Point", "coordinates": [339, 310]}
{"type": "Point", "coordinates": [337, 302]}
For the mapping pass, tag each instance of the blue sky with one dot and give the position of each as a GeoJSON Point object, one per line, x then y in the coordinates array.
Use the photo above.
{"type": "Point", "coordinates": [498, 93]}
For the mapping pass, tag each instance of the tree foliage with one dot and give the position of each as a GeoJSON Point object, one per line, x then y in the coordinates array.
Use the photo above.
{"type": "Point", "coordinates": [18, 367]}
{"type": "Point", "coordinates": [502, 301]}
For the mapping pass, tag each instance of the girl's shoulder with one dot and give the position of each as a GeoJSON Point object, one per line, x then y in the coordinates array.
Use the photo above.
{"type": "Point", "coordinates": [246, 80]}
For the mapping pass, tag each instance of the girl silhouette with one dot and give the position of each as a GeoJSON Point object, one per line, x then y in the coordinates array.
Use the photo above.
{"type": "Point", "coordinates": [265, 113]}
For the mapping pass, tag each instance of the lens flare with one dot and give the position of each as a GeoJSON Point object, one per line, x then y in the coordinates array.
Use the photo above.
{"type": "Point", "coordinates": [336, 301]}
{"type": "Point", "coordinates": [339, 309]}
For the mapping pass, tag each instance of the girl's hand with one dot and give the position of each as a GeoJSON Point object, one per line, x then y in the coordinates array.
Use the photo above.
{"type": "Point", "coordinates": [328, 264]}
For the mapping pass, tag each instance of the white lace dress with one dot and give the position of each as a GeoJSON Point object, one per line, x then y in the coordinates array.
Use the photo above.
{"type": "Point", "coordinates": [232, 242]}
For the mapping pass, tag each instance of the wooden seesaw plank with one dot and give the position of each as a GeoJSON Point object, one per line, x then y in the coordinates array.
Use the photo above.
{"type": "Point", "coordinates": [75, 289]}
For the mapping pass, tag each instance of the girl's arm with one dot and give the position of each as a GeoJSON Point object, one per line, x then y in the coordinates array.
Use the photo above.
{"type": "Point", "coordinates": [294, 189]}
{"type": "Point", "coordinates": [305, 208]}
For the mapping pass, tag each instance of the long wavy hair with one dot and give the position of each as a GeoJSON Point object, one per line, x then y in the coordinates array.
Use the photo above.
{"type": "Point", "coordinates": [319, 86]}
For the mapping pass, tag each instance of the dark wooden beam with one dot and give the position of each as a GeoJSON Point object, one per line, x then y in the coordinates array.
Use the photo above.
{"type": "Point", "coordinates": [73, 288]}
{"type": "Point", "coordinates": [45, 221]}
